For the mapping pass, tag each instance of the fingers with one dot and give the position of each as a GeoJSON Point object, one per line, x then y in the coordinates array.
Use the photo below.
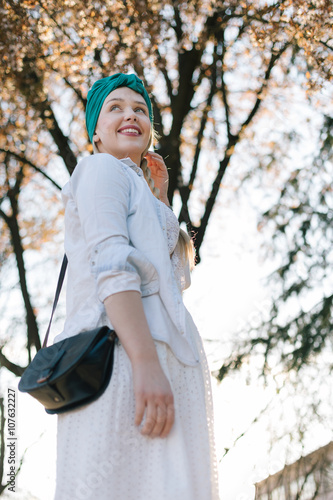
{"type": "Point", "coordinates": [158, 421]}
{"type": "Point", "coordinates": [170, 419]}
{"type": "Point", "coordinates": [161, 414]}
{"type": "Point", "coordinates": [139, 410]}
{"type": "Point", "coordinates": [155, 420]}
{"type": "Point", "coordinates": [152, 154]}
{"type": "Point", "coordinates": [155, 160]}
{"type": "Point", "coordinates": [154, 400]}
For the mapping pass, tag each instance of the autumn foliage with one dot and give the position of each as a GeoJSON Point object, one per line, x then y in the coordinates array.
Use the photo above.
{"type": "Point", "coordinates": [209, 66]}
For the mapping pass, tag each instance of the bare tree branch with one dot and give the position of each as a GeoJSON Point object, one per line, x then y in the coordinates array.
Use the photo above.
{"type": "Point", "coordinates": [233, 140]}
{"type": "Point", "coordinates": [325, 44]}
{"type": "Point", "coordinates": [178, 25]}
{"type": "Point", "coordinates": [164, 72]}
{"type": "Point", "coordinates": [12, 367]}
{"type": "Point", "coordinates": [77, 92]}
{"type": "Point", "coordinates": [185, 191]}
{"type": "Point", "coordinates": [12, 223]}
{"type": "Point", "coordinates": [225, 92]}
{"type": "Point", "coordinates": [254, 421]}
{"type": "Point", "coordinates": [23, 159]}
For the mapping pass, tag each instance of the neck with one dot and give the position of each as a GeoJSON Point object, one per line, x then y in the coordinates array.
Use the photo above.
{"type": "Point", "coordinates": [136, 158]}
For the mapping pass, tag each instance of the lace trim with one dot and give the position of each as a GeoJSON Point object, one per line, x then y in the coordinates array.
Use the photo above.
{"type": "Point", "coordinates": [178, 269]}
{"type": "Point", "coordinates": [172, 228]}
{"type": "Point", "coordinates": [210, 416]}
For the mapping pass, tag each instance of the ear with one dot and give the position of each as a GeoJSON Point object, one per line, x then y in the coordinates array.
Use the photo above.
{"type": "Point", "coordinates": [96, 137]}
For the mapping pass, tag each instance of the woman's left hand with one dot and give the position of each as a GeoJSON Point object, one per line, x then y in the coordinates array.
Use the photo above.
{"type": "Point", "coordinates": [159, 173]}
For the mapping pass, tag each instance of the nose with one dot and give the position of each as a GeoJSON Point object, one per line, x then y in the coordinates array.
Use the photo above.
{"type": "Point", "coordinates": [130, 114]}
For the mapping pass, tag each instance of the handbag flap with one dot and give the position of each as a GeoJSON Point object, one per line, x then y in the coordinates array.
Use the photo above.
{"type": "Point", "coordinates": [50, 363]}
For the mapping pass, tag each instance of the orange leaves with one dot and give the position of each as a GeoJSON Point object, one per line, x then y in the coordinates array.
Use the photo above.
{"type": "Point", "coordinates": [56, 51]}
{"type": "Point", "coordinates": [39, 230]}
{"type": "Point", "coordinates": [29, 4]}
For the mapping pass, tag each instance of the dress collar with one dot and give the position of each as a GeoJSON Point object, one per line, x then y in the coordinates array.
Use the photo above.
{"type": "Point", "coordinates": [133, 165]}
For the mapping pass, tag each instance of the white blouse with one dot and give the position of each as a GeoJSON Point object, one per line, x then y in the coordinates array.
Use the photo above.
{"type": "Point", "coordinates": [119, 237]}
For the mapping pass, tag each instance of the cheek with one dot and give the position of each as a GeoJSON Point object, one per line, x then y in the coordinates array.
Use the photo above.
{"type": "Point", "coordinates": [147, 130]}
{"type": "Point", "coordinates": [106, 124]}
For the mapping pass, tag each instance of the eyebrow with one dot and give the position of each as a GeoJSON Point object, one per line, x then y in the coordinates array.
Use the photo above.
{"type": "Point", "coordinates": [121, 99]}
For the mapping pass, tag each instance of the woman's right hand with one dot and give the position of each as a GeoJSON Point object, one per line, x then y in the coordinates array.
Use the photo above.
{"type": "Point", "coordinates": [154, 402]}
{"type": "Point", "coordinates": [153, 395]}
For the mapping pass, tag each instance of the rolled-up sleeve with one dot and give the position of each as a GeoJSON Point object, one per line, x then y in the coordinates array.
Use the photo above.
{"type": "Point", "coordinates": [102, 190]}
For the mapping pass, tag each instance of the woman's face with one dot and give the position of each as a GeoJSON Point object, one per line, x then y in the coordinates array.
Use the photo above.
{"type": "Point", "coordinates": [123, 127]}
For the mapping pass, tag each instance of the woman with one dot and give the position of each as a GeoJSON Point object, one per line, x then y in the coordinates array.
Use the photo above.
{"type": "Point", "coordinates": [150, 435]}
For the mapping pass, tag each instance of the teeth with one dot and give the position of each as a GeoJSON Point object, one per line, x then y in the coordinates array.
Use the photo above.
{"type": "Point", "coordinates": [132, 130]}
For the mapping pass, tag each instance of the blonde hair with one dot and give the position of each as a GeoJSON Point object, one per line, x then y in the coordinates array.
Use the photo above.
{"type": "Point", "coordinates": [144, 164]}
{"type": "Point", "coordinates": [185, 243]}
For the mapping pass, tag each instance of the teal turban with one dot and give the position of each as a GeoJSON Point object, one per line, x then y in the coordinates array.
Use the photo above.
{"type": "Point", "coordinates": [102, 88]}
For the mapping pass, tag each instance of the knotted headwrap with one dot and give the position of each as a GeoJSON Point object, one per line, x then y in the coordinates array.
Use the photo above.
{"type": "Point", "coordinates": [102, 88]}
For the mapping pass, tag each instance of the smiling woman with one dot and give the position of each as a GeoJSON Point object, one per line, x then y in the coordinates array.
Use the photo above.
{"type": "Point", "coordinates": [127, 271]}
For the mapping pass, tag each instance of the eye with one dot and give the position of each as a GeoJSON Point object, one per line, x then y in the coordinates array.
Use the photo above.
{"type": "Point", "coordinates": [114, 106]}
{"type": "Point", "coordinates": [142, 110]}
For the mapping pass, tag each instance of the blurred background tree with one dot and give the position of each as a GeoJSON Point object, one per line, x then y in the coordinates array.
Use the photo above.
{"type": "Point", "coordinates": [217, 72]}
{"type": "Point", "coordinates": [299, 230]}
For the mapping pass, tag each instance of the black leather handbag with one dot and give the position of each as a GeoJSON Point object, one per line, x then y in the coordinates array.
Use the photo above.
{"type": "Point", "coordinates": [72, 372]}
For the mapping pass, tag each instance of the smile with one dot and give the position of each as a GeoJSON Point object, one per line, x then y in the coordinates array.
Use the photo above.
{"type": "Point", "coordinates": [129, 131]}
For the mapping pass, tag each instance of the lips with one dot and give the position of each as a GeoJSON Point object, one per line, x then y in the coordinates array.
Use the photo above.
{"type": "Point", "coordinates": [130, 130]}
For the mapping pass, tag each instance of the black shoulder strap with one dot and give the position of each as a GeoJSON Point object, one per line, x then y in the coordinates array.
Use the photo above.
{"type": "Point", "coordinates": [56, 297]}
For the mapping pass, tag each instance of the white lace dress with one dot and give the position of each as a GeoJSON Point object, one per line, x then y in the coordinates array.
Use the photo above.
{"type": "Point", "coordinates": [101, 454]}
